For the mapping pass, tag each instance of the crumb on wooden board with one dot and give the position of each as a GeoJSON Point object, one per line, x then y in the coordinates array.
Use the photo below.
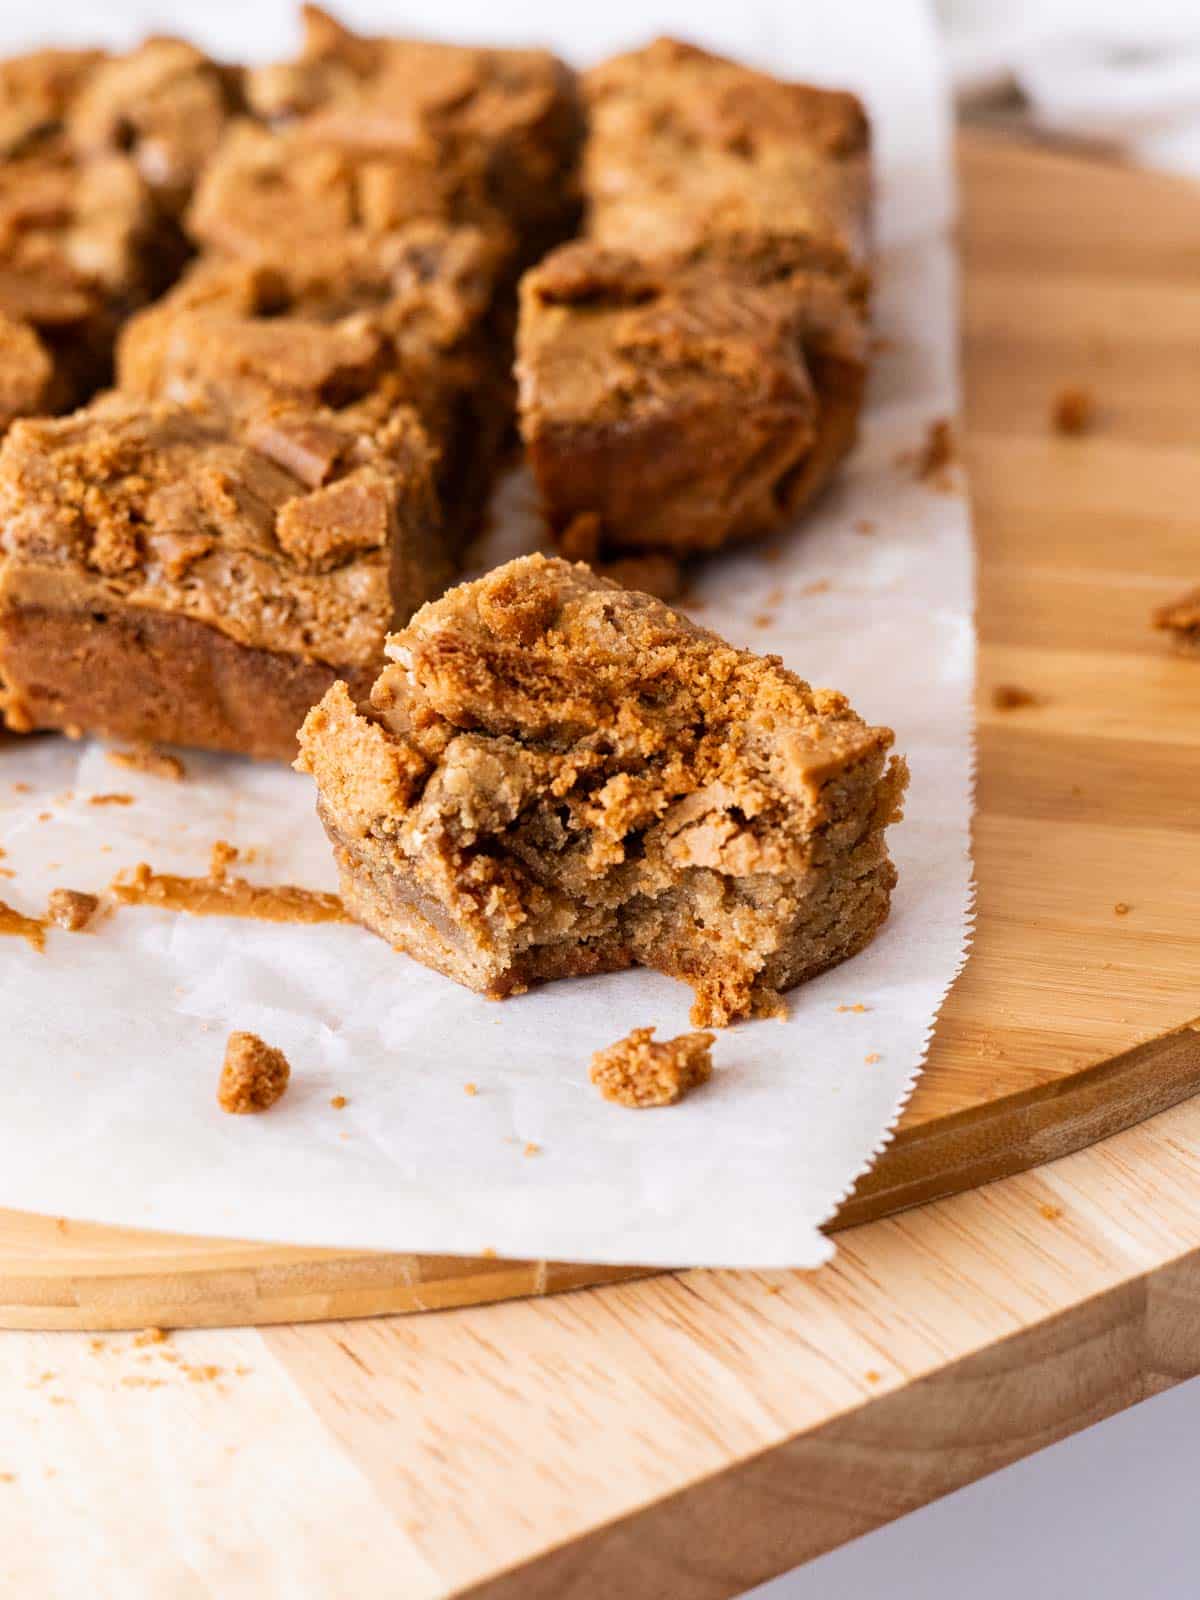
{"type": "Point", "coordinates": [1011, 697]}
{"type": "Point", "coordinates": [1073, 411]}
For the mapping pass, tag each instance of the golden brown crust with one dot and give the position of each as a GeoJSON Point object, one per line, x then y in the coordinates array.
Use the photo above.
{"type": "Point", "coordinates": [559, 776]}
{"type": "Point", "coordinates": [253, 1077]}
{"type": "Point", "coordinates": [191, 514]}
{"type": "Point", "coordinates": [638, 1072]}
{"type": "Point", "coordinates": [372, 133]}
{"type": "Point", "coordinates": [356, 326]}
{"type": "Point", "coordinates": [460, 132]}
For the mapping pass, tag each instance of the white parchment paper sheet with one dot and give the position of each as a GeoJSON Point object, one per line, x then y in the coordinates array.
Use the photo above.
{"type": "Point", "coordinates": [111, 1041]}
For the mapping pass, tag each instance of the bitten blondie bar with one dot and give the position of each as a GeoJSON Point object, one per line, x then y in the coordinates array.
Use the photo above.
{"type": "Point", "coordinates": [354, 324]}
{"type": "Point", "coordinates": [555, 776]}
{"type": "Point", "coordinates": [681, 405]}
{"type": "Point", "coordinates": [175, 575]}
{"type": "Point", "coordinates": [694, 373]}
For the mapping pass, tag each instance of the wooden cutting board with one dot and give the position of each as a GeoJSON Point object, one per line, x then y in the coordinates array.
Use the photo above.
{"type": "Point", "coordinates": [1072, 1018]}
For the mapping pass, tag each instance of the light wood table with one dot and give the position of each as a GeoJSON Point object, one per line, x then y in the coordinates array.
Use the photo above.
{"type": "Point", "coordinates": [686, 1437]}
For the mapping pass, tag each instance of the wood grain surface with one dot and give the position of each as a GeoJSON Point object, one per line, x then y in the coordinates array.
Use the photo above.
{"type": "Point", "coordinates": [687, 1436]}
{"type": "Point", "coordinates": [1071, 1019]}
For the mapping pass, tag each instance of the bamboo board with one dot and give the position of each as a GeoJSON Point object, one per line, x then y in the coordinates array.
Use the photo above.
{"type": "Point", "coordinates": [1071, 1020]}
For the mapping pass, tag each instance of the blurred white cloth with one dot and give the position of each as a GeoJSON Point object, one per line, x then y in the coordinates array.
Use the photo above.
{"type": "Point", "coordinates": [1094, 68]}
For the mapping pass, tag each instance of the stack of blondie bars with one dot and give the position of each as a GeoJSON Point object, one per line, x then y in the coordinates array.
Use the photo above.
{"type": "Point", "coordinates": [302, 432]}
{"type": "Point", "coordinates": [283, 303]}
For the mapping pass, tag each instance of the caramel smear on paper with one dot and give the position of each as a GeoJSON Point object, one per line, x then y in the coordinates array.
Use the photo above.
{"type": "Point", "coordinates": [221, 894]}
{"type": "Point", "coordinates": [22, 927]}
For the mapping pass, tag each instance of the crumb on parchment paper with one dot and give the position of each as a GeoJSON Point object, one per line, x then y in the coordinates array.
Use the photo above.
{"type": "Point", "coordinates": [637, 1072]}
{"type": "Point", "coordinates": [71, 909]}
{"type": "Point", "coordinates": [253, 1077]}
{"type": "Point", "coordinates": [144, 758]}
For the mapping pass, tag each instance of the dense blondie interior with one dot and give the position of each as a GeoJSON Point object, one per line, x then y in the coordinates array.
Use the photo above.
{"type": "Point", "coordinates": [660, 366]}
{"type": "Point", "coordinates": [554, 776]}
{"type": "Point", "coordinates": [173, 574]}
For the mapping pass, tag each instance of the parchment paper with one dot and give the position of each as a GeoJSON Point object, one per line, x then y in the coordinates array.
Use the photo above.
{"type": "Point", "coordinates": [111, 1041]}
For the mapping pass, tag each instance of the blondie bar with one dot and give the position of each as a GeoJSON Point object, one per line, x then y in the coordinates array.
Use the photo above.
{"type": "Point", "coordinates": [360, 326]}
{"type": "Point", "coordinates": [554, 776]}
{"type": "Point", "coordinates": [505, 125]}
{"type": "Point", "coordinates": [694, 372]}
{"type": "Point", "coordinates": [177, 575]}
{"type": "Point", "coordinates": [688, 150]}
{"type": "Point", "coordinates": [82, 242]}
{"type": "Point", "coordinates": [679, 404]}
{"type": "Point", "coordinates": [165, 105]}
{"type": "Point", "coordinates": [373, 133]}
